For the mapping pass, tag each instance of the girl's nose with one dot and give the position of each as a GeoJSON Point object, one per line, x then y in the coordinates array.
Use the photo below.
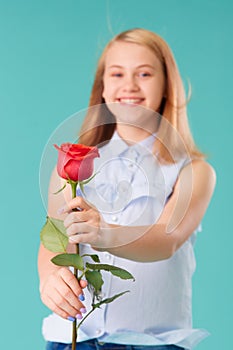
{"type": "Point", "coordinates": [130, 84]}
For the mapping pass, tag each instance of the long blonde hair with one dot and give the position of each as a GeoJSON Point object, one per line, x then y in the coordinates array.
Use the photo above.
{"type": "Point", "coordinates": [174, 137]}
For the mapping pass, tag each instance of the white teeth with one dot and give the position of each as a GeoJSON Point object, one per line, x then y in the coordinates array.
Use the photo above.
{"type": "Point", "coordinates": [130, 100]}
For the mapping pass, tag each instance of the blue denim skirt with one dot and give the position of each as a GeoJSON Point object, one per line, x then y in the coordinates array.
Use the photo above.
{"type": "Point", "coordinates": [94, 344]}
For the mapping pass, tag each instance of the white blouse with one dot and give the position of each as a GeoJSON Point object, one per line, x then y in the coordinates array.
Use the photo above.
{"type": "Point", "coordinates": [131, 188]}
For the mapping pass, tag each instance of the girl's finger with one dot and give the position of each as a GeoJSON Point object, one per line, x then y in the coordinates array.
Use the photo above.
{"type": "Point", "coordinates": [89, 238]}
{"type": "Point", "coordinates": [78, 228]}
{"type": "Point", "coordinates": [75, 203]}
{"type": "Point", "coordinates": [55, 308]}
{"type": "Point", "coordinates": [65, 305]}
{"type": "Point", "coordinates": [71, 281]}
{"type": "Point", "coordinates": [83, 283]}
{"type": "Point", "coordinates": [76, 217]}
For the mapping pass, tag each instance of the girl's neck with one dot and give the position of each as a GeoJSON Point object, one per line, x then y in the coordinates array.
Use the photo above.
{"type": "Point", "coordinates": [131, 134]}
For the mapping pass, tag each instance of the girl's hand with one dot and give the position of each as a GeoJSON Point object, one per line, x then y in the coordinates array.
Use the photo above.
{"type": "Point", "coordinates": [62, 293]}
{"type": "Point", "coordinates": [84, 225]}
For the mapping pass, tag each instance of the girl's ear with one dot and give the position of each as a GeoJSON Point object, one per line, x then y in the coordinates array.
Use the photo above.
{"type": "Point", "coordinates": [103, 94]}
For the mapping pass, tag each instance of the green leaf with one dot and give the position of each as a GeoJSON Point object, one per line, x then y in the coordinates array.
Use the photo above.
{"type": "Point", "coordinates": [109, 300]}
{"type": "Point", "coordinates": [74, 260]}
{"type": "Point", "coordinates": [95, 279]}
{"type": "Point", "coordinates": [116, 271]}
{"type": "Point", "coordinates": [53, 235]}
{"type": "Point", "coordinates": [94, 257]}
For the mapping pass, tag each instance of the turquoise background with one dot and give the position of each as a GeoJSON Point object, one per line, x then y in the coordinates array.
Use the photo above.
{"type": "Point", "coordinates": [48, 51]}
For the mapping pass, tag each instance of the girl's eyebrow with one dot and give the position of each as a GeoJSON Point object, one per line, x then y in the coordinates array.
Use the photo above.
{"type": "Point", "coordinates": [146, 66]}
{"type": "Point", "coordinates": [140, 66]}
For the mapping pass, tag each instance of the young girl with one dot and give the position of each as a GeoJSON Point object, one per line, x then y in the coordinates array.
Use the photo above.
{"type": "Point", "coordinates": [141, 212]}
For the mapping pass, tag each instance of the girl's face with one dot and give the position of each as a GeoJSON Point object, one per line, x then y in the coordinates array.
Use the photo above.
{"type": "Point", "coordinates": [133, 76]}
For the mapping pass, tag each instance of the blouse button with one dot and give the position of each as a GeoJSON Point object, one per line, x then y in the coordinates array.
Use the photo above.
{"type": "Point", "coordinates": [114, 218]}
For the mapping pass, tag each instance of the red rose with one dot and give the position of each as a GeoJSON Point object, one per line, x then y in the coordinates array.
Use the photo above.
{"type": "Point", "coordinates": [75, 161]}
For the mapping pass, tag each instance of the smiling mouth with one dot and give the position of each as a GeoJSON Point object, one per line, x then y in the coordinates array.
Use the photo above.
{"type": "Point", "coordinates": [130, 101]}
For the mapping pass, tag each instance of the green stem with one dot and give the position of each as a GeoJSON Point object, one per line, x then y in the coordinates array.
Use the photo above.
{"type": "Point", "coordinates": [74, 329]}
{"type": "Point", "coordinates": [73, 187]}
{"type": "Point", "coordinates": [74, 335]}
{"type": "Point", "coordinates": [74, 325]}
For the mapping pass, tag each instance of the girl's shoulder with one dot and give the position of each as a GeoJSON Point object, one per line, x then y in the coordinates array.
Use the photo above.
{"type": "Point", "coordinates": [203, 166]}
{"type": "Point", "coordinates": [201, 173]}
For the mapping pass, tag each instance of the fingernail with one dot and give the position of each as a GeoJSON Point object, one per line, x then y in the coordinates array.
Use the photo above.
{"type": "Point", "coordinates": [83, 310]}
{"type": "Point", "coordinates": [81, 297]}
{"type": "Point", "coordinates": [79, 316]}
{"type": "Point", "coordinates": [70, 318]}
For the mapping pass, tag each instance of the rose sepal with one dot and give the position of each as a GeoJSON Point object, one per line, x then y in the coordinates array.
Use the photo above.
{"type": "Point", "coordinates": [61, 189]}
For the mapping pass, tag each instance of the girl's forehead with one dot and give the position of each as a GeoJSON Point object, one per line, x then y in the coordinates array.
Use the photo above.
{"type": "Point", "coordinates": [120, 46]}
{"type": "Point", "coordinates": [120, 52]}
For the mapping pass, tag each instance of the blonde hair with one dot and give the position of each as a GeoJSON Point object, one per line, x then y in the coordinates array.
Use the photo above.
{"type": "Point", "coordinates": [174, 136]}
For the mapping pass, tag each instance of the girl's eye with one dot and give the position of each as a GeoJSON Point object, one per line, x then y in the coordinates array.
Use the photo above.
{"type": "Point", "coordinates": [117, 75]}
{"type": "Point", "coordinates": [144, 74]}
